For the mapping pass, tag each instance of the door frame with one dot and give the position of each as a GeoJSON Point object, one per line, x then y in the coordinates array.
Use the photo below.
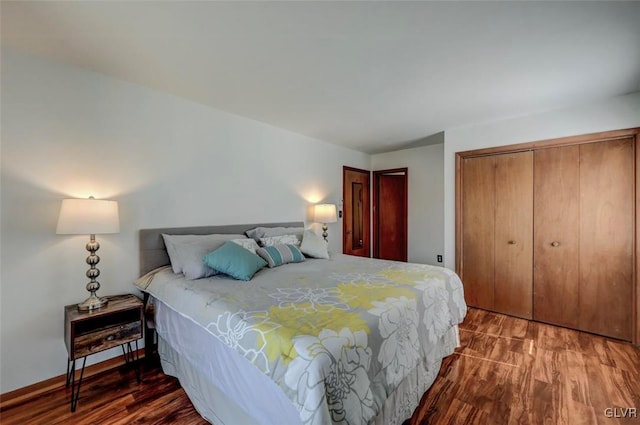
{"type": "Point", "coordinates": [366, 222]}
{"type": "Point", "coordinates": [563, 141]}
{"type": "Point", "coordinates": [376, 204]}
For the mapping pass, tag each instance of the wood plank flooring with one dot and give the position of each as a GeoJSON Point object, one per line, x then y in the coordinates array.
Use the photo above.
{"type": "Point", "coordinates": [513, 371]}
{"type": "Point", "coordinates": [111, 398]}
{"type": "Point", "coordinates": [508, 371]}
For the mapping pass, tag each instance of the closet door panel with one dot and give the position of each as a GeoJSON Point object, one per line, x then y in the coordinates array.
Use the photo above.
{"type": "Point", "coordinates": [478, 231]}
{"type": "Point", "coordinates": [514, 234]}
{"type": "Point", "coordinates": [556, 270]}
{"type": "Point", "coordinates": [606, 237]}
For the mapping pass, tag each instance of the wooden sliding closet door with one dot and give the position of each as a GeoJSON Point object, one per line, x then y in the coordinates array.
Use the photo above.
{"type": "Point", "coordinates": [497, 233]}
{"type": "Point", "coordinates": [557, 230]}
{"type": "Point", "coordinates": [584, 209]}
{"type": "Point", "coordinates": [477, 234]}
{"type": "Point", "coordinates": [606, 237]}
{"type": "Point", "coordinates": [513, 280]}
{"type": "Point", "coordinates": [547, 231]}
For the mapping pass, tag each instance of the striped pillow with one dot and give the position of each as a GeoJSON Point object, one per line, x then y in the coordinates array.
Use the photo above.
{"type": "Point", "coordinates": [277, 255]}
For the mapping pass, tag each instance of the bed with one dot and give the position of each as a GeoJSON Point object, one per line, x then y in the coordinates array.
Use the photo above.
{"type": "Point", "coordinates": [344, 340]}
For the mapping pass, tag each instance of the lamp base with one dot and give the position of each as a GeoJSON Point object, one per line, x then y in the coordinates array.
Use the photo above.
{"type": "Point", "coordinates": [325, 231]}
{"type": "Point", "coordinates": [94, 302]}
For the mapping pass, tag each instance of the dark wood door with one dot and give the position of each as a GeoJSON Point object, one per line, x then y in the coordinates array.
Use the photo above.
{"type": "Point", "coordinates": [478, 201]}
{"type": "Point", "coordinates": [513, 277]}
{"type": "Point", "coordinates": [606, 237]}
{"type": "Point", "coordinates": [556, 271]}
{"type": "Point", "coordinates": [356, 222]}
{"type": "Point", "coordinates": [390, 190]}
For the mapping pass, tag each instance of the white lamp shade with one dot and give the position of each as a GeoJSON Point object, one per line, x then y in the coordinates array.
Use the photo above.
{"type": "Point", "coordinates": [88, 217]}
{"type": "Point", "coordinates": [325, 213]}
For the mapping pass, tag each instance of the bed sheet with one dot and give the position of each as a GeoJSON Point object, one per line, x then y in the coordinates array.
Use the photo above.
{"type": "Point", "coordinates": [223, 386]}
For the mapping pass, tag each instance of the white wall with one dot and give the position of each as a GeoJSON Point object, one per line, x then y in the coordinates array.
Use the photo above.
{"type": "Point", "coordinates": [611, 114]}
{"type": "Point", "coordinates": [425, 198]}
{"type": "Point", "coordinates": [69, 132]}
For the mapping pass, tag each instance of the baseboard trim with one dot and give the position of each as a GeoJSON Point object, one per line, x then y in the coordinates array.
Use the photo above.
{"type": "Point", "coordinates": [16, 397]}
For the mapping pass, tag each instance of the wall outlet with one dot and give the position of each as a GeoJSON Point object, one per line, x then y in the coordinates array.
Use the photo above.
{"type": "Point", "coordinates": [439, 258]}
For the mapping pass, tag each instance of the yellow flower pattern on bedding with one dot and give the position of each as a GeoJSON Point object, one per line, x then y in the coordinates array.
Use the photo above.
{"type": "Point", "coordinates": [363, 294]}
{"type": "Point", "coordinates": [295, 321]}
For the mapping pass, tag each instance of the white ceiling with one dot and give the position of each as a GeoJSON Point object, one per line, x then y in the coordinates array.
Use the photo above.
{"type": "Point", "coordinates": [372, 76]}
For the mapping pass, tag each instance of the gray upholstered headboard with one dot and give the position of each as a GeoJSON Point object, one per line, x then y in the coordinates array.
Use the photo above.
{"type": "Point", "coordinates": [153, 253]}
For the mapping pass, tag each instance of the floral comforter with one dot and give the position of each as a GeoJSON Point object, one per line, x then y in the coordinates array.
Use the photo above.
{"type": "Point", "coordinates": [336, 335]}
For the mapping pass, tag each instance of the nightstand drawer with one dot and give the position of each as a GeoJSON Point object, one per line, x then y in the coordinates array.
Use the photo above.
{"type": "Point", "coordinates": [106, 338]}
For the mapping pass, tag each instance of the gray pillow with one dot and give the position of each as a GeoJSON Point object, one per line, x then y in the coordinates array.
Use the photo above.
{"type": "Point", "coordinates": [176, 265]}
{"type": "Point", "coordinates": [186, 252]}
{"type": "Point", "coordinates": [267, 232]}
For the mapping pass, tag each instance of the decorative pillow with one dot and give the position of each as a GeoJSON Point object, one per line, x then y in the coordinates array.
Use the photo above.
{"type": "Point", "coordinates": [277, 255]}
{"type": "Point", "coordinates": [234, 260]}
{"type": "Point", "coordinates": [280, 240]}
{"type": "Point", "coordinates": [186, 252]}
{"type": "Point", "coordinates": [265, 232]}
{"type": "Point", "coordinates": [314, 245]}
{"type": "Point", "coordinates": [247, 243]}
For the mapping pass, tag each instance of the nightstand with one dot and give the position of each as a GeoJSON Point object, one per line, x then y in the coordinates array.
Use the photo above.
{"type": "Point", "coordinates": [119, 323]}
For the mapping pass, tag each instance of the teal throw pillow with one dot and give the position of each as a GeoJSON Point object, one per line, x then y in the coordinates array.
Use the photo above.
{"type": "Point", "coordinates": [234, 260]}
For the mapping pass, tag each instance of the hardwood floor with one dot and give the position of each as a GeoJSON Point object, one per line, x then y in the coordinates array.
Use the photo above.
{"type": "Point", "coordinates": [513, 371]}
{"type": "Point", "coordinates": [111, 398]}
{"type": "Point", "coordinates": [507, 371]}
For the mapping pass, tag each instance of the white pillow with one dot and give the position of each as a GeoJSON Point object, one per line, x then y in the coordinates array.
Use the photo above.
{"type": "Point", "coordinates": [186, 252]}
{"type": "Point", "coordinates": [314, 245]}
{"type": "Point", "coordinates": [280, 240]}
{"type": "Point", "coordinates": [247, 243]}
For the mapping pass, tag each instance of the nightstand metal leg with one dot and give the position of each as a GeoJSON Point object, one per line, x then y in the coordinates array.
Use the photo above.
{"type": "Point", "coordinates": [69, 362]}
{"type": "Point", "coordinates": [129, 358]}
{"type": "Point", "coordinates": [125, 354]}
{"type": "Point", "coordinates": [75, 390]}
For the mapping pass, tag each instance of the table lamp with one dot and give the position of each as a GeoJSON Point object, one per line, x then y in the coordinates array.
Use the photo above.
{"type": "Point", "coordinates": [325, 213]}
{"type": "Point", "coordinates": [89, 217]}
